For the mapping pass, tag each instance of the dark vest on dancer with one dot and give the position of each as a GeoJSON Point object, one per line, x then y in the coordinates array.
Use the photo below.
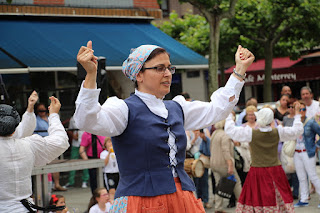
{"type": "Point", "coordinates": [264, 148]}
{"type": "Point", "coordinates": [143, 153]}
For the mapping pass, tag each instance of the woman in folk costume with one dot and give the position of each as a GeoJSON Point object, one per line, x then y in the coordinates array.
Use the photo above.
{"type": "Point", "coordinates": [266, 188]}
{"type": "Point", "coordinates": [148, 133]}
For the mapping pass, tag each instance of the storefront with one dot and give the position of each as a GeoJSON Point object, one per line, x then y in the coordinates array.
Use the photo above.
{"type": "Point", "coordinates": [44, 49]}
{"type": "Point", "coordinates": [294, 73]}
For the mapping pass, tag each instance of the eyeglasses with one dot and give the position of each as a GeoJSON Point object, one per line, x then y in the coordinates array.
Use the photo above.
{"type": "Point", "coordinates": [106, 194]}
{"type": "Point", "coordinates": [303, 109]}
{"type": "Point", "coordinates": [162, 69]}
{"type": "Point", "coordinates": [290, 107]}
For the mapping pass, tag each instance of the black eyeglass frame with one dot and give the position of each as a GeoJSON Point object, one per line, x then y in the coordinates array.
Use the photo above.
{"type": "Point", "coordinates": [160, 69]}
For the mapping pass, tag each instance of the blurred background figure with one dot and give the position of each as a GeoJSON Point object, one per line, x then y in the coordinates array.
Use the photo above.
{"type": "Point", "coordinates": [292, 177]}
{"type": "Point", "coordinates": [305, 158]}
{"type": "Point", "coordinates": [99, 202]}
{"type": "Point", "coordinates": [241, 118]}
{"type": "Point", "coordinates": [42, 129]}
{"type": "Point", "coordinates": [58, 200]}
{"type": "Point", "coordinates": [90, 148]}
{"type": "Point", "coordinates": [286, 90]}
{"type": "Point", "coordinates": [222, 161]}
{"type": "Point", "coordinates": [202, 186]}
{"type": "Point", "coordinates": [111, 170]}
{"type": "Point", "coordinates": [312, 106]}
{"type": "Point", "coordinates": [76, 140]}
{"type": "Point", "coordinates": [282, 109]}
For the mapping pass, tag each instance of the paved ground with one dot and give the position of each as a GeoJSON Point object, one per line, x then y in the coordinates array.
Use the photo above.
{"type": "Point", "coordinates": [77, 200]}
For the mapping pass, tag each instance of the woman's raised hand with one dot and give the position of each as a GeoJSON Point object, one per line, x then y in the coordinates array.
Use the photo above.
{"type": "Point", "coordinates": [243, 58]}
{"type": "Point", "coordinates": [87, 59]}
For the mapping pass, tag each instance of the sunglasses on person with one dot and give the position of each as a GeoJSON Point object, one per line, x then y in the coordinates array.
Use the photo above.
{"type": "Point", "coordinates": [291, 106]}
{"type": "Point", "coordinates": [303, 109]}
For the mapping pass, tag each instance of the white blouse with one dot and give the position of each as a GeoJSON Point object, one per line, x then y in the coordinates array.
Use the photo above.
{"type": "Point", "coordinates": [26, 126]}
{"type": "Point", "coordinates": [244, 134]}
{"type": "Point", "coordinates": [111, 118]}
{"type": "Point", "coordinates": [20, 155]}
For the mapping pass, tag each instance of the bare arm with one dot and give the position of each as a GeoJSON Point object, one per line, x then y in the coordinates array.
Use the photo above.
{"type": "Point", "coordinates": [82, 153]}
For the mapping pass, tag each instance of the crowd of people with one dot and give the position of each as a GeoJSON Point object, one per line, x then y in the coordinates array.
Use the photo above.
{"type": "Point", "coordinates": [144, 141]}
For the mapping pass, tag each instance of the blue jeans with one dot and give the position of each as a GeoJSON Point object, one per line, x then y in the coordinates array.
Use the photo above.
{"type": "Point", "coordinates": [202, 186]}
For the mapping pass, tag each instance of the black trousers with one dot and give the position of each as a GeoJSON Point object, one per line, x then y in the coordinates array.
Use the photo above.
{"type": "Point", "coordinates": [93, 179]}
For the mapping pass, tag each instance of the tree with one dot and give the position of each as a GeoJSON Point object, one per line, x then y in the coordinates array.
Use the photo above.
{"type": "Point", "coordinates": [191, 30]}
{"type": "Point", "coordinates": [280, 26]}
{"type": "Point", "coordinates": [214, 11]}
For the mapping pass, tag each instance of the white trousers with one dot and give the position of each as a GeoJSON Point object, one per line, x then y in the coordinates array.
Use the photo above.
{"type": "Point", "coordinates": [306, 167]}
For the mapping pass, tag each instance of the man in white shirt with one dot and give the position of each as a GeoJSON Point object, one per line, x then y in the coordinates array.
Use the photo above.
{"type": "Point", "coordinates": [311, 105]}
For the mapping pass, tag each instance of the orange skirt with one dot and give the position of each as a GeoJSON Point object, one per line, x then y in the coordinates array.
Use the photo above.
{"type": "Point", "coordinates": [180, 201]}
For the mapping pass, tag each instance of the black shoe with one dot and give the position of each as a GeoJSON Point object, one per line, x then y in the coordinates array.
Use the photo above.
{"type": "Point", "coordinates": [231, 205]}
{"type": "Point", "coordinates": [295, 197]}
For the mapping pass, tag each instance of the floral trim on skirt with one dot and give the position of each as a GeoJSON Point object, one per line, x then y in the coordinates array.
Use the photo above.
{"type": "Point", "coordinates": [119, 205]}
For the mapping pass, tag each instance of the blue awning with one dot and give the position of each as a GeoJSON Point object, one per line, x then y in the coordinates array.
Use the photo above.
{"type": "Point", "coordinates": [55, 43]}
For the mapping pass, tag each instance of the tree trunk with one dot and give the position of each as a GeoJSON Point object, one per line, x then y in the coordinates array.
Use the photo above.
{"type": "Point", "coordinates": [267, 85]}
{"type": "Point", "coordinates": [213, 53]}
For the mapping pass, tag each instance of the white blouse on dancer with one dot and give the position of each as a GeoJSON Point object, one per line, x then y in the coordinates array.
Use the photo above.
{"type": "Point", "coordinates": [111, 118]}
{"type": "Point", "coordinates": [244, 134]}
{"type": "Point", "coordinates": [21, 155]}
{"type": "Point", "coordinates": [26, 126]}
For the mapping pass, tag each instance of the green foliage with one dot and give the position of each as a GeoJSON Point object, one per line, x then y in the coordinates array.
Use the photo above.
{"type": "Point", "coordinates": [279, 28]}
{"type": "Point", "coordinates": [191, 30]}
{"type": "Point", "coordinates": [289, 25]}
{"type": "Point", "coordinates": [9, 1]}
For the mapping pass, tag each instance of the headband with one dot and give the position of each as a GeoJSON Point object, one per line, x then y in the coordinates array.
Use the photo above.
{"type": "Point", "coordinates": [133, 64]}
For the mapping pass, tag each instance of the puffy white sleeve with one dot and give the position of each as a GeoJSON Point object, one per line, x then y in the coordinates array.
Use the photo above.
{"type": "Point", "coordinates": [27, 125]}
{"type": "Point", "coordinates": [50, 147]}
{"type": "Point", "coordinates": [291, 133]}
{"type": "Point", "coordinates": [237, 133]}
{"type": "Point", "coordinates": [199, 115]}
{"type": "Point", "coordinates": [109, 120]}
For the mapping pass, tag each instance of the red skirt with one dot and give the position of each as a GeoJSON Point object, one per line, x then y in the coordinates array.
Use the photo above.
{"type": "Point", "coordinates": [266, 189]}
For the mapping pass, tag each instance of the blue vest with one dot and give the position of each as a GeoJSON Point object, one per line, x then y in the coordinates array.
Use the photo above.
{"type": "Point", "coordinates": [143, 153]}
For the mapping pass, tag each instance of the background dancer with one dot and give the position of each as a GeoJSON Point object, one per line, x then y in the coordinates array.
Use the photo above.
{"type": "Point", "coordinates": [19, 156]}
{"type": "Point", "coordinates": [266, 187]}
